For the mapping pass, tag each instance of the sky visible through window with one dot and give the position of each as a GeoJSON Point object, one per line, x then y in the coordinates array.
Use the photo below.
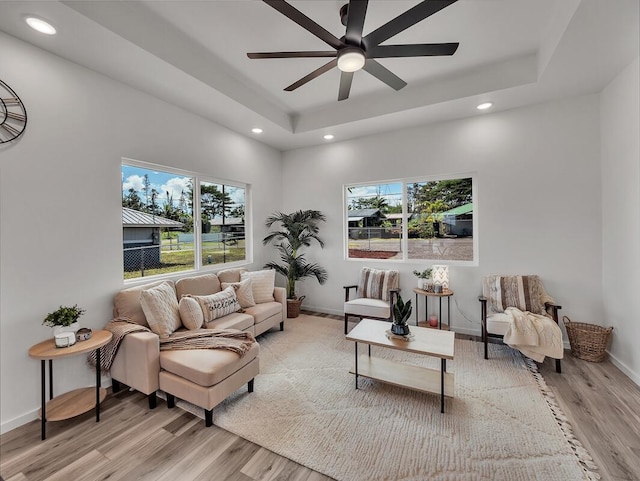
{"type": "Point", "coordinates": [162, 182]}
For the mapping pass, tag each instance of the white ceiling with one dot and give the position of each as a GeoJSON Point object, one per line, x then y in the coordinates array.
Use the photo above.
{"type": "Point", "coordinates": [193, 54]}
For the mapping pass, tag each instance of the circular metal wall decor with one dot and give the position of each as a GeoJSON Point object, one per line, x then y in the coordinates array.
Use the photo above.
{"type": "Point", "coordinates": [13, 115]}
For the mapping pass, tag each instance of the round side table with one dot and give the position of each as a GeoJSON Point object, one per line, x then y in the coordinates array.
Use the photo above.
{"type": "Point", "coordinates": [439, 295]}
{"type": "Point", "coordinates": [78, 401]}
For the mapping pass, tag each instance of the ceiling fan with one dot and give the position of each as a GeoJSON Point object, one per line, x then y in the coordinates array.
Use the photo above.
{"type": "Point", "coordinates": [354, 51]}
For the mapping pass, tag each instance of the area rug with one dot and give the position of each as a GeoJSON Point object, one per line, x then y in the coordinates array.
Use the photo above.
{"type": "Point", "coordinates": [502, 424]}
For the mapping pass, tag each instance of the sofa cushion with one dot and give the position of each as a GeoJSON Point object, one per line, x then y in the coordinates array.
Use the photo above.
{"type": "Point", "coordinates": [262, 284]}
{"type": "Point", "coordinates": [219, 304]}
{"type": "Point", "coordinates": [126, 303]}
{"type": "Point", "coordinates": [263, 311]}
{"type": "Point", "coordinates": [203, 285]}
{"type": "Point", "coordinates": [244, 292]}
{"type": "Point", "coordinates": [206, 367]}
{"type": "Point", "coordinates": [236, 320]}
{"type": "Point", "coordinates": [230, 275]}
{"type": "Point", "coordinates": [160, 307]}
{"type": "Point", "coordinates": [191, 313]}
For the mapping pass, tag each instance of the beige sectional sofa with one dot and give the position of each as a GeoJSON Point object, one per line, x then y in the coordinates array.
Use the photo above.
{"type": "Point", "coordinates": [203, 377]}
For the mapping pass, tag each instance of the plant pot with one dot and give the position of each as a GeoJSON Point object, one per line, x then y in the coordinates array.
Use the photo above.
{"type": "Point", "coordinates": [293, 307]}
{"type": "Point", "coordinates": [400, 329]}
{"type": "Point", "coordinates": [60, 329]}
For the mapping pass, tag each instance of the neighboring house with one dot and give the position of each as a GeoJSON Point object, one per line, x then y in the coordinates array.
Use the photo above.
{"type": "Point", "coordinates": [365, 218]}
{"type": "Point", "coordinates": [458, 221]}
{"type": "Point", "coordinates": [232, 227]}
{"type": "Point", "coordinates": [396, 219]}
{"type": "Point", "coordinates": [141, 237]}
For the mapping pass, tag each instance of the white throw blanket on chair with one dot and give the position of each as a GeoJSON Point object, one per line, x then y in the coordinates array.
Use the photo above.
{"type": "Point", "coordinates": [534, 335]}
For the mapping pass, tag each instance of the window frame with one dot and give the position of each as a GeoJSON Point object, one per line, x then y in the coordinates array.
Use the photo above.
{"type": "Point", "coordinates": [405, 238]}
{"type": "Point", "coordinates": [197, 179]}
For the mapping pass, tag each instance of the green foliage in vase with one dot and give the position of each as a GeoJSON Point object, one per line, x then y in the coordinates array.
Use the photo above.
{"type": "Point", "coordinates": [64, 316]}
{"type": "Point", "coordinates": [401, 311]}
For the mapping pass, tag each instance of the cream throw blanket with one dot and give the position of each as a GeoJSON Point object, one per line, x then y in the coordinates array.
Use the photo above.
{"type": "Point", "coordinates": [534, 335]}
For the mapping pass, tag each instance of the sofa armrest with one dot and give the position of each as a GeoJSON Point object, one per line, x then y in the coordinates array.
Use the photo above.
{"type": "Point", "coordinates": [280, 295]}
{"type": "Point", "coordinates": [137, 363]}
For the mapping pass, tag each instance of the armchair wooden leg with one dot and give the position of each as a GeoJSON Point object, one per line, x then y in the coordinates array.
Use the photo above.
{"type": "Point", "coordinates": [558, 366]}
{"type": "Point", "coordinates": [346, 323]}
{"type": "Point", "coordinates": [485, 340]}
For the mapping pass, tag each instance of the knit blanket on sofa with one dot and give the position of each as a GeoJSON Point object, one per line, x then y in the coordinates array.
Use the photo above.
{"type": "Point", "coordinates": [231, 339]}
{"type": "Point", "coordinates": [534, 335]}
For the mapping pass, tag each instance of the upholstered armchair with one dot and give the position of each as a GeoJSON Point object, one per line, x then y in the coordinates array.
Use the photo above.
{"type": "Point", "coordinates": [527, 294]}
{"type": "Point", "coordinates": [374, 295]}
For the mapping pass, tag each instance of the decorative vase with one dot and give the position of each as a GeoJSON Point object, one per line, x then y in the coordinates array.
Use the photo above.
{"type": "Point", "coordinates": [72, 328]}
{"type": "Point", "coordinates": [400, 329]}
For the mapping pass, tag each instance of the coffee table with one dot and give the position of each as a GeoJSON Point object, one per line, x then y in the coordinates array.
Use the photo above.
{"type": "Point", "coordinates": [425, 341]}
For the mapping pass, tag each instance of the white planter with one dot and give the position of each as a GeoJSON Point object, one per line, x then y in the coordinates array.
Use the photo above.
{"type": "Point", "coordinates": [72, 328]}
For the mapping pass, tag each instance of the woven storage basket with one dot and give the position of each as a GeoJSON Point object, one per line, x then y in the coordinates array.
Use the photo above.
{"type": "Point", "coordinates": [588, 341]}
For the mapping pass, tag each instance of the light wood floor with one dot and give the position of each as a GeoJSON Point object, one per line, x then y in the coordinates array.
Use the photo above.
{"type": "Point", "coordinates": [133, 443]}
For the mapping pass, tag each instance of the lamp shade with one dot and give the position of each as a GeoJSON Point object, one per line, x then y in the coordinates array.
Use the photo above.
{"type": "Point", "coordinates": [440, 275]}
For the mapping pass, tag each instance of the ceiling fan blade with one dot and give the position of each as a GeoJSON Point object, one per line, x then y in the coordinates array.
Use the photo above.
{"type": "Point", "coordinates": [316, 73]}
{"type": "Point", "coordinates": [383, 74]}
{"type": "Point", "coordinates": [311, 54]}
{"type": "Point", "coordinates": [413, 50]}
{"type": "Point", "coordinates": [404, 21]}
{"type": "Point", "coordinates": [305, 22]}
{"type": "Point", "coordinates": [345, 85]}
{"type": "Point", "coordinates": [355, 21]}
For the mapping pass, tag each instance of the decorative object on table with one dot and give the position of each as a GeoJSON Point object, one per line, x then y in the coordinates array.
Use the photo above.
{"type": "Point", "coordinates": [441, 276]}
{"type": "Point", "coordinates": [588, 341]}
{"type": "Point", "coordinates": [83, 334]}
{"type": "Point", "coordinates": [64, 339]}
{"type": "Point", "coordinates": [64, 319]}
{"type": "Point", "coordinates": [13, 115]}
{"type": "Point", "coordinates": [437, 288]}
{"type": "Point", "coordinates": [424, 278]}
{"type": "Point", "coordinates": [401, 313]}
{"type": "Point", "coordinates": [433, 320]}
{"type": "Point", "coordinates": [298, 229]}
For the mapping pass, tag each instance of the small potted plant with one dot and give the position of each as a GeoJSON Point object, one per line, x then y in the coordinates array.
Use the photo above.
{"type": "Point", "coordinates": [423, 277]}
{"type": "Point", "coordinates": [63, 319]}
{"type": "Point", "coordinates": [401, 313]}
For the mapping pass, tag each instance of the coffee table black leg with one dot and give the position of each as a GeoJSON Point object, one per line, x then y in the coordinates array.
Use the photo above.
{"type": "Point", "coordinates": [98, 385]}
{"type": "Point", "coordinates": [43, 414]}
{"type": "Point", "coordinates": [356, 344]}
{"type": "Point", "coordinates": [442, 370]}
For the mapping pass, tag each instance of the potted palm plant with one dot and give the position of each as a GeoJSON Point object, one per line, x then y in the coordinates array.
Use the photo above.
{"type": "Point", "coordinates": [401, 313]}
{"type": "Point", "coordinates": [297, 230]}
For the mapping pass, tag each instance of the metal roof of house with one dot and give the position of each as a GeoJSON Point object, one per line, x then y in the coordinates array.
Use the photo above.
{"type": "Point", "coordinates": [135, 218]}
{"type": "Point", "coordinates": [461, 209]}
{"type": "Point", "coordinates": [363, 213]}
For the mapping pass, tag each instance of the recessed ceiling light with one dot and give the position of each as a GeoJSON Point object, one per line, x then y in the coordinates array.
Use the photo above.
{"type": "Point", "coordinates": [484, 106]}
{"type": "Point", "coordinates": [328, 137]}
{"type": "Point", "coordinates": [40, 25]}
{"type": "Point", "coordinates": [257, 130]}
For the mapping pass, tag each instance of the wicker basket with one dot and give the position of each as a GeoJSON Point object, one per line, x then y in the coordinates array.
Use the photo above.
{"type": "Point", "coordinates": [588, 341]}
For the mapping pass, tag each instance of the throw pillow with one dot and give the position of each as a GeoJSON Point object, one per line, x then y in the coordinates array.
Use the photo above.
{"type": "Point", "coordinates": [126, 303]}
{"type": "Point", "coordinates": [244, 292]}
{"type": "Point", "coordinates": [376, 284]}
{"type": "Point", "coordinates": [262, 284]}
{"type": "Point", "coordinates": [522, 292]}
{"type": "Point", "coordinates": [160, 307]}
{"type": "Point", "coordinates": [191, 313]}
{"type": "Point", "coordinates": [219, 304]}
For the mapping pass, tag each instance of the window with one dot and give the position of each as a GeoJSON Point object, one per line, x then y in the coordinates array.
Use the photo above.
{"type": "Point", "coordinates": [425, 219]}
{"type": "Point", "coordinates": [158, 229]}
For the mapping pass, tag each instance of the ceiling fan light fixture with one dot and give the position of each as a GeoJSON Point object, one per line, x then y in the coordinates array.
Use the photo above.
{"type": "Point", "coordinates": [351, 59]}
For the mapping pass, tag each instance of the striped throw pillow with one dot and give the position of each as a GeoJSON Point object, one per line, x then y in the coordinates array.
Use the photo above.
{"type": "Point", "coordinates": [522, 292]}
{"type": "Point", "coordinates": [262, 284]}
{"type": "Point", "coordinates": [376, 284]}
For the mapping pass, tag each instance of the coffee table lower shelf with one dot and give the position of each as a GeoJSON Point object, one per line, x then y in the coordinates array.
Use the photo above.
{"type": "Point", "coordinates": [404, 375]}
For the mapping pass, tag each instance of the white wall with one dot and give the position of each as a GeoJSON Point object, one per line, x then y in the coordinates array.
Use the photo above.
{"type": "Point", "coordinates": [538, 180]}
{"type": "Point", "coordinates": [620, 107]}
{"type": "Point", "coordinates": [61, 226]}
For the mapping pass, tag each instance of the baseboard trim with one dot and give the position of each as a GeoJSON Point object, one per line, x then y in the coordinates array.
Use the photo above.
{"type": "Point", "coordinates": [19, 421]}
{"type": "Point", "coordinates": [625, 369]}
